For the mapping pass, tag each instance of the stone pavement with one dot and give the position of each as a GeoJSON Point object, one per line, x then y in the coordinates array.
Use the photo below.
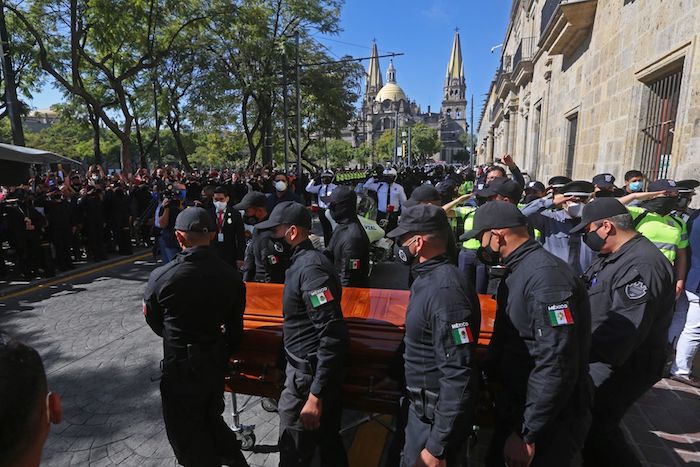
{"type": "Point", "coordinates": [102, 358]}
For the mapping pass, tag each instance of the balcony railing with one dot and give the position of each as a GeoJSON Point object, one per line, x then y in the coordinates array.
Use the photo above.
{"type": "Point", "coordinates": [494, 110]}
{"type": "Point", "coordinates": [550, 6]}
{"type": "Point", "coordinates": [526, 50]}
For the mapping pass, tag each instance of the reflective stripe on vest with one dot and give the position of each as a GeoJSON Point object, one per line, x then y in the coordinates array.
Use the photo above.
{"type": "Point", "coordinates": [662, 231]}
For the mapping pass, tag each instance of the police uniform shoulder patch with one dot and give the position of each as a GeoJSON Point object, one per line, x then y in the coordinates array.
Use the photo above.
{"type": "Point", "coordinates": [636, 290]}
{"type": "Point", "coordinates": [559, 314]}
{"type": "Point", "coordinates": [320, 296]}
{"type": "Point", "coordinates": [461, 333]}
{"type": "Point", "coordinates": [354, 264]}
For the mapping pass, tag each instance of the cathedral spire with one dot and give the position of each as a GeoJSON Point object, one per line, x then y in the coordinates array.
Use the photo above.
{"type": "Point", "coordinates": [455, 68]}
{"type": "Point", "coordinates": [391, 73]}
{"type": "Point", "coordinates": [374, 75]}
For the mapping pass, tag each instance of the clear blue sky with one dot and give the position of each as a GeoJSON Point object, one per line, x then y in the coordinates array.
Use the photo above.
{"type": "Point", "coordinates": [423, 31]}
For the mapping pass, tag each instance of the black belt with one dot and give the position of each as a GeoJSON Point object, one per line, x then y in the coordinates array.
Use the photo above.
{"type": "Point", "coordinates": [305, 366]}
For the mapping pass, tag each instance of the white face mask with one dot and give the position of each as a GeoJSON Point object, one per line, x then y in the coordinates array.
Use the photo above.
{"type": "Point", "coordinates": [280, 185]}
{"type": "Point", "coordinates": [220, 205]}
{"type": "Point", "coordinates": [575, 209]}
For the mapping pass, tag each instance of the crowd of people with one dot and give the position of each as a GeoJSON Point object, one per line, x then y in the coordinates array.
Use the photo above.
{"type": "Point", "coordinates": [596, 287]}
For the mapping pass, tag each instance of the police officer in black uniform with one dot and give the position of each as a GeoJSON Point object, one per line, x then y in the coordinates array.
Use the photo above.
{"type": "Point", "coordinates": [349, 246]}
{"type": "Point", "coordinates": [428, 194]}
{"type": "Point", "coordinates": [315, 342]}
{"type": "Point", "coordinates": [631, 288]}
{"type": "Point", "coordinates": [442, 329]}
{"type": "Point", "coordinates": [538, 357]}
{"type": "Point", "coordinates": [264, 259]}
{"type": "Point", "coordinates": [199, 331]}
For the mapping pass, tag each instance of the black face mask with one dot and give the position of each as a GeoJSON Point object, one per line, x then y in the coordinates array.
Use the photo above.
{"type": "Point", "coordinates": [488, 255]}
{"type": "Point", "coordinates": [663, 205]}
{"type": "Point", "coordinates": [280, 245]}
{"type": "Point", "coordinates": [604, 194]}
{"type": "Point", "coordinates": [250, 220]}
{"type": "Point", "coordinates": [682, 203]}
{"type": "Point", "coordinates": [594, 241]}
{"type": "Point", "coordinates": [343, 211]}
{"type": "Point", "coordinates": [404, 255]}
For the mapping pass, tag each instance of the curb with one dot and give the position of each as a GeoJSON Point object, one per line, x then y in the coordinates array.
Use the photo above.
{"type": "Point", "coordinates": [14, 291]}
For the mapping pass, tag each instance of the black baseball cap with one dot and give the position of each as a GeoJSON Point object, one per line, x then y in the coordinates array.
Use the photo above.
{"type": "Point", "coordinates": [194, 219]}
{"type": "Point", "coordinates": [604, 180]}
{"type": "Point", "coordinates": [340, 194]}
{"type": "Point", "coordinates": [420, 218]}
{"type": "Point", "coordinates": [502, 186]}
{"type": "Point", "coordinates": [495, 215]}
{"type": "Point", "coordinates": [664, 184]}
{"type": "Point", "coordinates": [535, 186]}
{"type": "Point", "coordinates": [600, 208]}
{"type": "Point", "coordinates": [424, 193]}
{"type": "Point", "coordinates": [252, 199]}
{"type": "Point", "coordinates": [287, 213]}
{"type": "Point", "coordinates": [558, 181]}
{"type": "Point", "coordinates": [579, 188]}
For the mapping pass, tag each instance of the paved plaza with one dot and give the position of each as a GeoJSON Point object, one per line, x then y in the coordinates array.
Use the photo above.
{"type": "Point", "coordinates": [103, 360]}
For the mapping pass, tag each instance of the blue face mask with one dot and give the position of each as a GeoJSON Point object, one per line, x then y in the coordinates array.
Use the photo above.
{"type": "Point", "coordinates": [635, 186]}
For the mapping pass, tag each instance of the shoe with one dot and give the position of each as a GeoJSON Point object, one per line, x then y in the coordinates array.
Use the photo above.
{"type": "Point", "coordinates": [238, 460]}
{"type": "Point", "coordinates": [689, 380]}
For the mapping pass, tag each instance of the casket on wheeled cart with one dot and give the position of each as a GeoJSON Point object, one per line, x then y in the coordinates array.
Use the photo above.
{"type": "Point", "coordinates": [375, 320]}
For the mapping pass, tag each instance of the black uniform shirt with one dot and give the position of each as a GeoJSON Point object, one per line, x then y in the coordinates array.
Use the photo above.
{"type": "Point", "coordinates": [263, 262]}
{"type": "Point", "coordinates": [188, 300]}
{"type": "Point", "coordinates": [349, 251]}
{"type": "Point", "coordinates": [314, 328]}
{"type": "Point", "coordinates": [539, 350]}
{"type": "Point", "coordinates": [632, 297]}
{"type": "Point", "coordinates": [442, 328]}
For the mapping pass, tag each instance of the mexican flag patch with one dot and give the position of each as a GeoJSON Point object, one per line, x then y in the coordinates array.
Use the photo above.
{"type": "Point", "coordinates": [272, 259]}
{"type": "Point", "coordinates": [354, 264]}
{"type": "Point", "coordinates": [559, 315]}
{"type": "Point", "coordinates": [320, 296]}
{"type": "Point", "coordinates": [462, 333]}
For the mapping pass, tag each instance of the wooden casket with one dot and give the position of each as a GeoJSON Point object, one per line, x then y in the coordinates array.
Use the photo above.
{"type": "Point", "coordinates": [375, 320]}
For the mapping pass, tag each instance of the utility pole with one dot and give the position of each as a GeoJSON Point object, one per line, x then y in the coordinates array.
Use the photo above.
{"type": "Point", "coordinates": [472, 156]}
{"type": "Point", "coordinates": [298, 89]}
{"type": "Point", "coordinates": [11, 101]}
{"type": "Point", "coordinates": [408, 148]}
{"type": "Point", "coordinates": [285, 108]}
{"type": "Point", "coordinates": [159, 158]}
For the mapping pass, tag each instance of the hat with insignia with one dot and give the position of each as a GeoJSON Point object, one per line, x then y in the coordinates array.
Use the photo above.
{"type": "Point", "coordinates": [558, 181]}
{"type": "Point", "coordinates": [687, 186]}
{"type": "Point", "coordinates": [664, 184]}
{"type": "Point", "coordinates": [535, 186]}
{"type": "Point", "coordinates": [600, 208]}
{"type": "Point", "coordinates": [425, 193]}
{"type": "Point", "coordinates": [340, 195]}
{"type": "Point", "coordinates": [194, 219]}
{"type": "Point", "coordinates": [580, 188]}
{"type": "Point", "coordinates": [420, 218]}
{"type": "Point", "coordinates": [502, 186]}
{"type": "Point", "coordinates": [287, 213]}
{"type": "Point", "coordinates": [604, 180]}
{"type": "Point", "coordinates": [495, 215]}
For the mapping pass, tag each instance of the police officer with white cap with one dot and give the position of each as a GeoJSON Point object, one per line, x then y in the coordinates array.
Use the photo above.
{"type": "Point", "coordinates": [322, 187]}
{"type": "Point", "coordinates": [390, 197]}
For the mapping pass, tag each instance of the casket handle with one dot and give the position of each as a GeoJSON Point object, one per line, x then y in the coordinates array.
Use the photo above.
{"type": "Point", "coordinates": [264, 372]}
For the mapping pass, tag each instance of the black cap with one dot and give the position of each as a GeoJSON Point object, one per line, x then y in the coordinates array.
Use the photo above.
{"type": "Point", "coordinates": [558, 181]}
{"type": "Point", "coordinates": [420, 218]}
{"type": "Point", "coordinates": [604, 180]}
{"type": "Point", "coordinates": [495, 215]}
{"type": "Point", "coordinates": [340, 194]}
{"type": "Point", "coordinates": [194, 219]}
{"type": "Point", "coordinates": [535, 186]}
{"type": "Point", "coordinates": [663, 184]}
{"type": "Point", "coordinates": [252, 199]}
{"type": "Point", "coordinates": [579, 188]}
{"type": "Point", "coordinates": [502, 186]}
{"type": "Point", "coordinates": [600, 208]}
{"type": "Point", "coordinates": [288, 213]}
{"type": "Point", "coordinates": [426, 192]}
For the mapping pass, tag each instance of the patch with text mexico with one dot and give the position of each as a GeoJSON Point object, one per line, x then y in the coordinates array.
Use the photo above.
{"type": "Point", "coordinates": [560, 315]}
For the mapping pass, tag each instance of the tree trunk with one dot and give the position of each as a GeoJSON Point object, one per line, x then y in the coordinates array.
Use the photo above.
{"type": "Point", "coordinates": [11, 101]}
{"type": "Point", "coordinates": [95, 123]}
{"type": "Point", "coordinates": [125, 153]}
{"type": "Point", "coordinates": [177, 135]}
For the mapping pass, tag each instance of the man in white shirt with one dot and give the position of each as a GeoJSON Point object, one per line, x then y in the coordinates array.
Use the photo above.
{"type": "Point", "coordinates": [323, 186]}
{"type": "Point", "coordinates": [390, 198]}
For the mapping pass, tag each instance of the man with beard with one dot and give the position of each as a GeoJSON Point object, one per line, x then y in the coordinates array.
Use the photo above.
{"type": "Point", "coordinates": [349, 245]}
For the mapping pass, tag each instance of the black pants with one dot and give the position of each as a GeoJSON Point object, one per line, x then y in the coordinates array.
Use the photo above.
{"type": "Point", "coordinates": [298, 446]}
{"type": "Point", "coordinates": [616, 391]}
{"type": "Point", "coordinates": [417, 432]}
{"type": "Point", "coordinates": [192, 408]}
{"type": "Point", "coordinates": [61, 240]}
{"type": "Point", "coordinates": [325, 226]}
{"type": "Point", "coordinates": [558, 446]}
{"type": "Point", "coordinates": [95, 241]}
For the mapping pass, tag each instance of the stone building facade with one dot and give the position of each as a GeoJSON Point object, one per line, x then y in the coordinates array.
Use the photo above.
{"type": "Point", "coordinates": [385, 104]}
{"type": "Point", "coordinates": [592, 86]}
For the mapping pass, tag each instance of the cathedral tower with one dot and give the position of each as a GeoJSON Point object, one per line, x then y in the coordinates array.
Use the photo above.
{"type": "Point", "coordinates": [374, 76]}
{"type": "Point", "coordinates": [454, 103]}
